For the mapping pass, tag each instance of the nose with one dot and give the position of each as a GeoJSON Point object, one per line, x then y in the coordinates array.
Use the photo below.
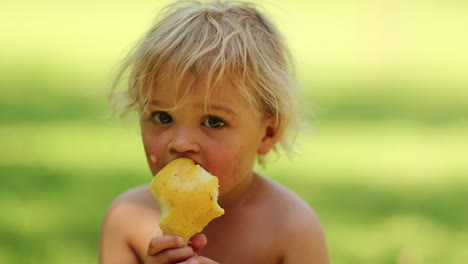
{"type": "Point", "coordinates": [183, 140]}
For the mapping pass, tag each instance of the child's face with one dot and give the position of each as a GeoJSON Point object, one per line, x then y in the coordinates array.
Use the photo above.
{"type": "Point", "coordinates": [225, 140]}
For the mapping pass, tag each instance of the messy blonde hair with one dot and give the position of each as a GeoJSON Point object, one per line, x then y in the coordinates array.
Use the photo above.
{"type": "Point", "coordinates": [217, 41]}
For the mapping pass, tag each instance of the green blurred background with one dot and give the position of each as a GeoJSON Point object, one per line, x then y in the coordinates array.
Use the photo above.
{"type": "Point", "coordinates": [383, 160]}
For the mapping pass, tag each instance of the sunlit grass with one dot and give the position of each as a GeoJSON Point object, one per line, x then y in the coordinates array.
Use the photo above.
{"type": "Point", "coordinates": [331, 39]}
{"type": "Point", "coordinates": [383, 164]}
{"type": "Point", "coordinates": [398, 238]}
{"type": "Point", "coordinates": [390, 153]}
{"type": "Point", "coordinates": [73, 145]}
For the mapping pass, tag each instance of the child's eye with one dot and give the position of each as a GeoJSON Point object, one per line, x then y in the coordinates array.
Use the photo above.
{"type": "Point", "coordinates": [213, 122]}
{"type": "Point", "coordinates": [161, 117]}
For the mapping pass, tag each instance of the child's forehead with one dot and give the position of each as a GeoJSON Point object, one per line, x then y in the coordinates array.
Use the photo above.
{"type": "Point", "coordinates": [191, 88]}
{"type": "Point", "coordinates": [192, 84]}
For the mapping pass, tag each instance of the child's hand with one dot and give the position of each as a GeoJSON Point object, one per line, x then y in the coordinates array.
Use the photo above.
{"type": "Point", "coordinates": [168, 249]}
{"type": "Point", "coordinates": [172, 249]}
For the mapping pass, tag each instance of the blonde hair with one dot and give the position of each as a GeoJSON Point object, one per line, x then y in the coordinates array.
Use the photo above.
{"type": "Point", "coordinates": [216, 41]}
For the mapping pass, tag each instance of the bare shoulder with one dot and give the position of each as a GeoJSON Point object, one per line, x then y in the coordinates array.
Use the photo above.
{"type": "Point", "coordinates": [128, 226]}
{"type": "Point", "coordinates": [138, 196]}
{"type": "Point", "coordinates": [299, 225]}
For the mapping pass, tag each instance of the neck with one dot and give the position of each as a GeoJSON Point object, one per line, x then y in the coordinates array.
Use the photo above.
{"type": "Point", "coordinates": [240, 194]}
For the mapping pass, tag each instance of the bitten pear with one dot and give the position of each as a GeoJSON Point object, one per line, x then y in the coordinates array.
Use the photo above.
{"type": "Point", "coordinates": [187, 196]}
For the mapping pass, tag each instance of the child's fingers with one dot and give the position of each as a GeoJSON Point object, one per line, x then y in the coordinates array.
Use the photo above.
{"type": "Point", "coordinates": [160, 243]}
{"type": "Point", "coordinates": [200, 260]}
{"type": "Point", "coordinates": [198, 242]}
{"type": "Point", "coordinates": [170, 256]}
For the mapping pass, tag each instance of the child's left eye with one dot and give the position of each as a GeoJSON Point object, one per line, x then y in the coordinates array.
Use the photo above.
{"type": "Point", "coordinates": [213, 122]}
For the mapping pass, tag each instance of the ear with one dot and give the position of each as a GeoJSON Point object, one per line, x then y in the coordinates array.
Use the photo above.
{"type": "Point", "coordinates": [271, 135]}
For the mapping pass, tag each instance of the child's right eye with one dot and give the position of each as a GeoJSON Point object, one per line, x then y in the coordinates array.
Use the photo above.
{"type": "Point", "coordinates": [161, 117]}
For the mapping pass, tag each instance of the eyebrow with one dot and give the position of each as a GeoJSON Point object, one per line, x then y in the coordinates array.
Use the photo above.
{"type": "Point", "coordinates": [219, 107]}
{"type": "Point", "coordinates": [216, 107]}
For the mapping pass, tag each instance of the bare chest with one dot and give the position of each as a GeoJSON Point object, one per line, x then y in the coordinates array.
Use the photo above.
{"type": "Point", "coordinates": [237, 251]}
{"type": "Point", "coordinates": [252, 241]}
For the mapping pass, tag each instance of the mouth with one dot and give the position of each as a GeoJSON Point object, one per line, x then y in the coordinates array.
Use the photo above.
{"type": "Point", "coordinates": [185, 157]}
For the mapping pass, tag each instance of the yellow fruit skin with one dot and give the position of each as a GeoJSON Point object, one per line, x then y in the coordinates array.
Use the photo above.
{"type": "Point", "coordinates": [187, 196]}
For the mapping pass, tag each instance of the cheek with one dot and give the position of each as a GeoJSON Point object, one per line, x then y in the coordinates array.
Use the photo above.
{"type": "Point", "coordinates": [153, 161]}
{"type": "Point", "coordinates": [153, 152]}
{"type": "Point", "coordinates": [231, 165]}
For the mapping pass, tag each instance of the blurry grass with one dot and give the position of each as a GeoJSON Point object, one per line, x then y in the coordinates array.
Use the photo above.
{"type": "Point", "coordinates": [384, 163]}
{"type": "Point", "coordinates": [53, 94]}
{"type": "Point", "coordinates": [50, 214]}
{"type": "Point", "coordinates": [385, 101]}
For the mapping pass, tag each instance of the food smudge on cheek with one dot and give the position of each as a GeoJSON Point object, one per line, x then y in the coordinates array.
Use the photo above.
{"type": "Point", "coordinates": [153, 158]}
